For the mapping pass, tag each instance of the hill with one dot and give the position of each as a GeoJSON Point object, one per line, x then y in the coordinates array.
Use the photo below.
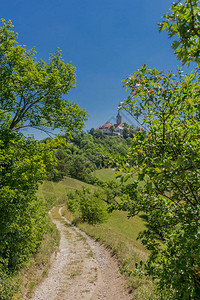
{"type": "Point", "coordinates": [119, 233]}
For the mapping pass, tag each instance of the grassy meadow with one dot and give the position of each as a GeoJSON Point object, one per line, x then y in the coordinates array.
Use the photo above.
{"type": "Point", "coordinates": [118, 233]}
{"type": "Point", "coordinates": [105, 174]}
{"type": "Point", "coordinates": [110, 174]}
{"type": "Point", "coordinates": [57, 191]}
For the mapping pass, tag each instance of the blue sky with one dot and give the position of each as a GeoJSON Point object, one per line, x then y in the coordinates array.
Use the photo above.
{"type": "Point", "coordinates": [105, 39]}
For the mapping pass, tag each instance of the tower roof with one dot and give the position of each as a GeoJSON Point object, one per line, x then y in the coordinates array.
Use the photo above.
{"type": "Point", "coordinates": [118, 118]}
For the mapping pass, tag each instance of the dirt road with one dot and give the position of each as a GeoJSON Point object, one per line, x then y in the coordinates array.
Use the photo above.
{"type": "Point", "coordinates": [82, 269]}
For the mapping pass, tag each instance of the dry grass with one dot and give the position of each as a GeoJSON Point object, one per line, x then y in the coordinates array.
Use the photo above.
{"type": "Point", "coordinates": [37, 268]}
{"type": "Point", "coordinates": [119, 233]}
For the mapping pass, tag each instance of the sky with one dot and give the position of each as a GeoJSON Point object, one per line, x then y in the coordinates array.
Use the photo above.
{"type": "Point", "coordinates": [105, 40]}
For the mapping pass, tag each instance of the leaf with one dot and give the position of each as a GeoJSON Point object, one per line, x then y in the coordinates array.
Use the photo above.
{"type": "Point", "coordinates": [198, 17]}
{"type": "Point", "coordinates": [175, 45]}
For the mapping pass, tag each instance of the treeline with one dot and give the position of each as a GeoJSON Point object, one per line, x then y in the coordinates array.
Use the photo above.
{"type": "Point", "coordinates": [85, 153]}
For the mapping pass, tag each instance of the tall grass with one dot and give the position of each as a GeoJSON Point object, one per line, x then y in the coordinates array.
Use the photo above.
{"type": "Point", "coordinates": [21, 284]}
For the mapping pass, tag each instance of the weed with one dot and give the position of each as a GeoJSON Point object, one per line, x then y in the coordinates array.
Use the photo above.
{"type": "Point", "coordinates": [75, 273]}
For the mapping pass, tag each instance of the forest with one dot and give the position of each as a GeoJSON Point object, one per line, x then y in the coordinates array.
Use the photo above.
{"type": "Point", "coordinates": [85, 153]}
{"type": "Point", "coordinates": [157, 166]}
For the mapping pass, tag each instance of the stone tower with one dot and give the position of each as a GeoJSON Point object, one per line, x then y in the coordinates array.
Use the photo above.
{"type": "Point", "coordinates": [119, 118]}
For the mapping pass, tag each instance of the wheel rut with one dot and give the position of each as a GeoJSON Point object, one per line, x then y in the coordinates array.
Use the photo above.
{"type": "Point", "coordinates": [82, 269]}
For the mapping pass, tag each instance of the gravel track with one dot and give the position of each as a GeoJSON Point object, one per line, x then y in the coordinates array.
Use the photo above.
{"type": "Point", "coordinates": [82, 269]}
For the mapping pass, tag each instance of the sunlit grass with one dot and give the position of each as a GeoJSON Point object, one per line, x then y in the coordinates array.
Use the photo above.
{"type": "Point", "coordinates": [105, 174]}
{"type": "Point", "coordinates": [110, 174]}
{"type": "Point", "coordinates": [36, 269]}
{"type": "Point", "coordinates": [58, 190]}
{"type": "Point", "coordinates": [119, 234]}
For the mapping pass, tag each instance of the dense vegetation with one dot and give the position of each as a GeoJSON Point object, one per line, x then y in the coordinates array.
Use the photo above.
{"type": "Point", "coordinates": [31, 95]}
{"type": "Point", "coordinates": [166, 157]}
{"type": "Point", "coordinates": [85, 153]}
{"type": "Point", "coordinates": [88, 207]}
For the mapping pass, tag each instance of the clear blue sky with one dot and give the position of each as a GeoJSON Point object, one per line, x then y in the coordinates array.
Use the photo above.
{"type": "Point", "coordinates": [105, 39]}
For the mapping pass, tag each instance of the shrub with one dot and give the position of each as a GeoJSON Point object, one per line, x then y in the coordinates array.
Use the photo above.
{"type": "Point", "coordinates": [89, 207]}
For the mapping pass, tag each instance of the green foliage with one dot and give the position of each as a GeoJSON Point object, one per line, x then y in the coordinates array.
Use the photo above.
{"type": "Point", "coordinates": [22, 224]}
{"type": "Point", "coordinates": [89, 207]}
{"type": "Point", "coordinates": [112, 129]}
{"type": "Point", "coordinates": [86, 153]}
{"type": "Point", "coordinates": [183, 24]}
{"type": "Point", "coordinates": [129, 131]}
{"type": "Point", "coordinates": [8, 286]}
{"type": "Point", "coordinates": [31, 93]}
{"type": "Point", "coordinates": [166, 157]}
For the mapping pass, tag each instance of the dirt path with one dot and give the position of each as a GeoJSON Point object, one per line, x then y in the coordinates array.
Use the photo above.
{"type": "Point", "coordinates": [81, 270]}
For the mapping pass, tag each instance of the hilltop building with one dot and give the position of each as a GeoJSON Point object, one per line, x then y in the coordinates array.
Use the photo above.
{"type": "Point", "coordinates": [113, 129]}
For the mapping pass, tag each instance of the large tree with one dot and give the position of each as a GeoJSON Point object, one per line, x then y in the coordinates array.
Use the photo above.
{"type": "Point", "coordinates": [31, 95]}
{"type": "Point", "coordinates": [31, 90]}
{"type": "Point", "coordinates": [182, 23]}
{"type": "Point", "coordinates": [166, 157]}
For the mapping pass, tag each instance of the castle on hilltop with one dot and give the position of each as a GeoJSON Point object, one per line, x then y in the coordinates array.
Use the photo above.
{"type": "Point", "coordinates": [113, 130]}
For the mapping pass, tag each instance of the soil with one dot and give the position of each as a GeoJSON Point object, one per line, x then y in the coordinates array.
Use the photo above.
{"type": "Point", "coordinates": [82, 269]}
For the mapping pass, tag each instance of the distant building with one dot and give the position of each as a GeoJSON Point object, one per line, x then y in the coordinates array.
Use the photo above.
{"type": "Point", "coordinates": [118, 119]}
{"type": "Point", "coordinates": [108, 129]}
{"type": "Point", "coordinates": [105, 128]}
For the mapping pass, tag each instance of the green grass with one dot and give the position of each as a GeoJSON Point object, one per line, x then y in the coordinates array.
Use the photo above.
{"type": "Point", "coordinates": [59, 190]}
{"type": "Point", "coordinates": [34, 270]}
{"type": "Point", "coordinates": [110, 174]}
{"type": "Point", "coordinates": [105, 174]}
{"type": "Point", "coordinates": [119, 233]}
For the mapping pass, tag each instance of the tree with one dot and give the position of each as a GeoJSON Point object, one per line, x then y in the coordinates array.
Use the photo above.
{"type": "Point", "coordinates": [31, 95]}
{"type": "Point", "coordinates": [87, 206]}
{"type": "Point", "coordinates": [112, 129]}
{"type": "Point", "coordinates": [183, 24]}
{"type": "Point", "coordinates": [126, 131]}
{"type": "Point", "coordinates": [24, 163]}
{"type": "Point", "coordinates": [166, 157]}
{"type": "Point", "coordinates": [91, 131]}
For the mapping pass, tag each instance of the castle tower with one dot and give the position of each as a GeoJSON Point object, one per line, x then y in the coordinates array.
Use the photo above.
{"type": "Point", "coordinates": [118, 119]}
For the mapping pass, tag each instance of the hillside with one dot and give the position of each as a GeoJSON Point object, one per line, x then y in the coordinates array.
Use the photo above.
{"type": "Point", "coordinates": [119, 233]}
{"type": "Point", "coordinates": [85, 153]}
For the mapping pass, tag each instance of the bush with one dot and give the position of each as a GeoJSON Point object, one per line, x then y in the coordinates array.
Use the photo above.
{"type": "Point", "coordinates": [89, 207]}
{"type": "Point", "coordinates": [8, 286]}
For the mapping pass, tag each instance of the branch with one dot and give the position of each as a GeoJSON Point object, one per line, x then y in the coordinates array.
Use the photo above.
{"type": "Point", "coordinates": [180, 191]}
{"type": "Point", "coordinates": [191, 190]}
{"type": "Point", "coordinates": [22, 126]}
{"type": "Point", "coordinates": [45, 130]}
{"type": "Point", "coordinates": [193, 18]}
{"type": "Point", "coordinates": [164, 195]}
{"type": "Point", "coordinates": [18, 112]}
{"type": "Point", "coordinates": [23, 112]}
